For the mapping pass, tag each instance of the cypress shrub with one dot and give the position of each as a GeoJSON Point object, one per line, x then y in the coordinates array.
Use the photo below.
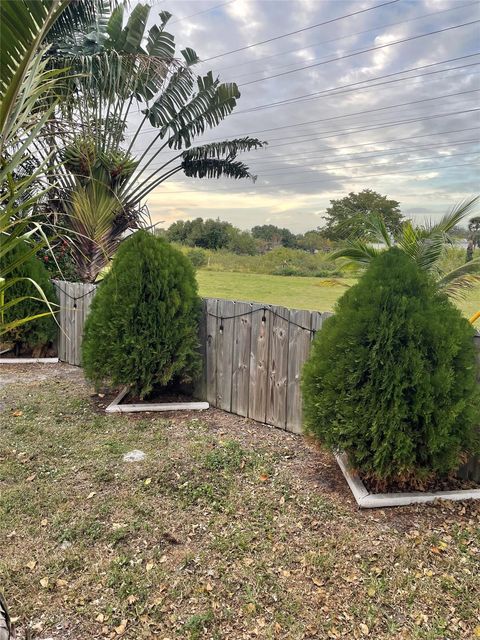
{"type": "Point", "coordinates": [142, 329]}
{"type": "Point", "coordinates": [41, 332]}
{"type": "Point", "coordinates": [391, 378]}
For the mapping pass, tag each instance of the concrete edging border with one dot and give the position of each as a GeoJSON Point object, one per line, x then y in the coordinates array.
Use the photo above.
{"type": "Point", "coordinates": [116, 407]}
{"type": "Point", "coordinates": [366, 500]}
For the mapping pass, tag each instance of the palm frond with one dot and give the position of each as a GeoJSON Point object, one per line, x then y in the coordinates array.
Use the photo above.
{"type": "Point", "coordinates": [359, 252]}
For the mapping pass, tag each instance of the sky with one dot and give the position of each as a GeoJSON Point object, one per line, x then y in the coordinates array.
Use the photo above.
{"type": "Point", "coordinates": [368, 111]}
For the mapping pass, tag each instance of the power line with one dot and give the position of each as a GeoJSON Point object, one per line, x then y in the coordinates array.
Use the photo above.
{"type": "Point", "coordinates": [357, 53]}
{"type": "Point", "coordinates": [394, 123]}
{"type": "Point", "coordinates": [291, 33]}
{"type": "Point", "coordinates": [361, 154]}
{"type": "Point", "coordinates": [351, 35]}
{"type": "Point", "coordinates": [376, 142]}
{"type": "Point", "coordinates": [354, 166]}
{"type": "Point", "coordinates": [319, 94]}
{"type": "Point", "coordinates": [335, 91]}
{"type": "Point", "coordinates": [356, 113]}
{"type": "Point", "coordinates": [334, 178]}
{"type": "Point", "coordinates": [217, 6]}
{"type": "Point", "coordinates": [308, 155]}
{"type": "Point", "coordinates": [359, 88]}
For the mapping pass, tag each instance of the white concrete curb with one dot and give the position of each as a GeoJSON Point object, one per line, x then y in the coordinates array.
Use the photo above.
{"type": "Point", "coordinates": [366, 500]}
{"type": "Point", "coordinates": [28, 360]}
{"type": "Point", "coordinates": [116, 407]}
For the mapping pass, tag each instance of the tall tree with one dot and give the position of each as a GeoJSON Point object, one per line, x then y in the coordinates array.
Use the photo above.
{"type": "Point", "coordinates": [125, 67]}
{"type": "Point", "coordinates": [347, 217]}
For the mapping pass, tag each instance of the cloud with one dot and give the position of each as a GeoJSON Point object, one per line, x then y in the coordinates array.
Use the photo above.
{"type": "Point", "coordinates": [295, 180]}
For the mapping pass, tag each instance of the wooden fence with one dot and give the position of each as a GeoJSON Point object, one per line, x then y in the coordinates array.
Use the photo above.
{"type": "Point", "coordinates": [252, 355]}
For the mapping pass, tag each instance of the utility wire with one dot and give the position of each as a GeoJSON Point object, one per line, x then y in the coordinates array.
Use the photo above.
{"type": "Point", "coordinates": [351, 115]}
{"type": "Point", "coordinates": [320, 94]}
{"type": "Point", "coordinates": [351, 35]}
{"type": "Point", "coordinates": [192, 15]}
{"type": "Point", "coordinates": [393, 123]}
{"type": "Point", "coordinates": [311, 156]}
{"type": "Point", "coordinates": [361, 155]}
{"type": "Point", "coordinates": [291, 33]}
{"type": "Point", "coordinates": [335, 91]}
{"type": "Point", "coordinates": [392, 167]}
{"type": "Point", "coordinates": [306, 154]}
{"type": "Point", "coordinates": [358, 53]}
{"type": "Point", "coordinates": [320, 183]}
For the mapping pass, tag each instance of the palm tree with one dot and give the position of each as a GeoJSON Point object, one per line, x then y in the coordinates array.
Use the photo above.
{"type": "Point", "coordinates": [116, 72]}
{"type": "Point", "coordinates": [426, 245]}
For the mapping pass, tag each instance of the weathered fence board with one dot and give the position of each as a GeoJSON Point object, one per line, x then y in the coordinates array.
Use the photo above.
{"type": "Point", "coordinates": [225, 340]}
{"type": "Point", "coordinates": [298, 349]}
{"type": "Point", "coordinates": [242, 337]}
{"type": "Point", "coordinates": [211, 352]}
{"type": "Point", "coordinates": [74, 299]}
{"type": "Point", "coordinates": [257, 404]}
{"type": "Point", "coordinates": [278, 368]}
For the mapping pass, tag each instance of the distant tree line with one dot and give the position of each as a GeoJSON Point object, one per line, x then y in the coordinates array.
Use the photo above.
{"type": "Point", "coordinates": [345, 218]}
{"type": "Point", "coordinates": [217, 234]}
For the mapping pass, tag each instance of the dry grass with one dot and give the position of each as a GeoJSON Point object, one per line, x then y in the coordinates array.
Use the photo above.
{"type": "Point", "coordinates": [228, 529]}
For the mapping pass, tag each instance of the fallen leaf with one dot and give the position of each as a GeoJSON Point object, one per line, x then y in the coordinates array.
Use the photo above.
{"type": "Point", "coordinates": [131, 599]}
{"type": "Point", "coordinates": [250, 608]}
{"type": "Point", "coordinates": [100, 617]}
{"type": "Point", "coordinates": [44, 582]}
{"type": "Point", "coordinates": [44, 522]}
{"type": "Point", "coordinates": [263, 477]}
{"type": "Point", "coordinates": [32, 477]}
{"type": "Point", "coordinates": [148, 481]}
{"type": "Point", "coordinates": [476, 633]}
{"type": "Point", "coordinates": [31, 565]}
{"type": "Point", "coordinates": [17, 413]}
{"type": "Point", "coordinates": [61, 583]}
{"type": "Point", "coordinates": [208, 587]}
{"type": "Point", "coordinates": [149, 566]}
{"type": "Point", "coordinates": [364, 629]}
{"type": "Point", "coordinates": [121, 627]}
{"type": "Point", "coordinates": [90, 495]}
{"type": "Point", "coordinates": [371, 592]}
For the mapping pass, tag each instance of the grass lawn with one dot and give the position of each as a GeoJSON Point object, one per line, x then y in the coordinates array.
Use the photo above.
{"type": "Point", "coordinates": [227, 530]}
{"type": "Point", "coordinates": [290, 291]}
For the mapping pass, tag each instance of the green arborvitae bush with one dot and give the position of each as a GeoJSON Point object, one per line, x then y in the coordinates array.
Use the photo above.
{"type": "Point", "coordinates": [142, 329]}
{"type": "Point", "coordinates": [38, 334]}
{"type": "Point", "coordinates": [391, 378]}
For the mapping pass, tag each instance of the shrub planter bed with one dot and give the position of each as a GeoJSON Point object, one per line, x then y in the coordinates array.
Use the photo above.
{"type": "Point", "coordinates": [367, 500]}
{"type": "Point", "coordinates": [116, 407]}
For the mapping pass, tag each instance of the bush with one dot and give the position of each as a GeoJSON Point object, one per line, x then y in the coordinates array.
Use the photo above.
{"type": "Point", "coordinates": [40, 333]}
{"type": "Point", "coordinates": [197, 257]}
{"type": "Point", "coordinates": [391, 378]}
{"type": "Point", "coordinates": [143, 326]}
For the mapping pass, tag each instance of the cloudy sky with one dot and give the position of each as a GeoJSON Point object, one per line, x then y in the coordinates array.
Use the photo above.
{"type": "Point", "coordinates": [343, 105]}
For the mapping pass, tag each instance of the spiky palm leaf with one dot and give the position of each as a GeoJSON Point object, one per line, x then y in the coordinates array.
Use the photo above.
{"type": "Point", "coordinates": [425, 245]}
{"type": "Point", "coordinates": [25, 89]}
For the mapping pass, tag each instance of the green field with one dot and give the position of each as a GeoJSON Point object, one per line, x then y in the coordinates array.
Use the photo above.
{"type": "Point", "coordinates": [289, 291]}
